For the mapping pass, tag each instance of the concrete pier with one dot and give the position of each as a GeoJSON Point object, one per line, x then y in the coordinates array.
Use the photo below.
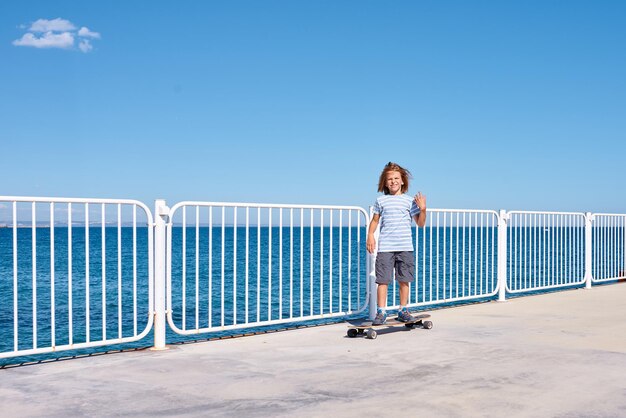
{"type": "Point", "coordinates": [556, 355]}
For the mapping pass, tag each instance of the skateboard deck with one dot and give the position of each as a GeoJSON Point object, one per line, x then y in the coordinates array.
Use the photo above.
{"type": "Point", "coordinates": [368, 329]}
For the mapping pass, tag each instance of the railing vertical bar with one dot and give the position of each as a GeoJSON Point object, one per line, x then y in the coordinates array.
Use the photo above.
{"type": "Point", "coordinates": [526, 252]}
{"type": "Point", "coordinates": [234, 265]}
{"type": "Point", "coordinates": [15, 287]}
{"type": "Point", "coordinates": [570, 253]}
{"type": "Point", "coordinates": [184, 269]}
{"type": "Point", "coordinates": [518, 250]}
{"type": "Point", "coordinates": [358, 257]}
{"type": "Point", "coordinates": [464, 242]}
{"type": "Point", "coordinates": [70, 307]}
{"type": "Point", "coordinates": [301, 261]}
{"type": "Point", "coordinates": [119, 270]}
{"type": "Point", "coordinates": [561, 251]}
{"type": "Point", "coordinates": [605, 240]}
{"type": "Point", "coordinates": [611, 260]}
{"type": "Point", "coordinates": [103, 246]}
{"type": "Point", "coordinates": [512, 250]}
{"type": "Point", "coordinates": [210, 251]}
{"type": "Point", "coordinates": [87, 265]}
{"type": "Point", "coordinates": [247, 273]}
{"type": "Point", "coordinates": [581, 257]}
{"type": "Point", "coordinates": [482, 278]}
{"type": "Point", "coordinates": [533, 249]}
{"type": "Point", "coordinates": [553, 248]}
{"type": "Point", "coordinates": [566, 272]}
{"type": "Point", "coordinates": [340, 278]}
{"type": "Point", "coordinates": [475, 239]}
{"type": "Point", "coordinates": [269, 266]}
{"type": "Point", "coordinates": [458, 227]}
{"type": "Point", "coordinates": [52, 296]}
{"type": "Point", "coordinates": [437, 255]}
{"type": "Point", "coordinates": [450, 257]}
{"type": "Point", "coordinates": [258, 264]}
{"type": "Point", "coordinates": [321, 261]}
{"type": "Point", "coordinates": [280, 263]}
{"type": "Point", "coordinates": [291, 263]}
{"type": "Point", "coordinates": [350, 260]}
{"type": "Point", "coordinates": [311, 306]}
{"type": "Point", "coordinates": [197, 266]}
{"type": "Point", "coordinates": [430, 258]}
{"type": "Point", "coordinates": [444, 255]}
{"type": "Point", "coordinates": [548, 229]}
{"type": "Point", "coordinates": [613, 248]}
{"type": "Point", "coordinates": [541, 234]}
{"type": "Point", "coordinates": [135, 269]}
{"type": "Point", "coordinates": [330, 262]}
{"type": "Point", "coordinates": [222, 266]}
{"type": "Point", "coordinates": [607, 246]}
{"type": "Point", "coordinates": [34, 272]}
{"type": "Point", "coordinates": [493, 276]}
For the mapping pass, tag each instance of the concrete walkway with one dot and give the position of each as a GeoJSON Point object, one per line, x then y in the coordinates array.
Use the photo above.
{"type": "Point", "coordinates": [556, 355]}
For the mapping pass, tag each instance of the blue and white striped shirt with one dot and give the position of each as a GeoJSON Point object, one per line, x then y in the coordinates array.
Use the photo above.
{"type": "Point", "coordinates": [396, 212]}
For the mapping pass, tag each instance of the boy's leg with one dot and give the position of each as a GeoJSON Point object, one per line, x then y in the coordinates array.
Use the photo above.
{"type": "Point", "coordinates": [405, 274]}
{"type": "Point", "coordinates": [381, 295]}
{"type": "Point", "coordinates": [404, 293]}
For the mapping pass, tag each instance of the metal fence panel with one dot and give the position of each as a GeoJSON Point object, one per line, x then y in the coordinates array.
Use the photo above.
{"type": "Point", "coordinates": [238, 265]}
{"type": "Point", "coordinates": [546, 250]}
{"type": "Point", "coordinates": [455, 258]}
{"type": "Point", "coordinates": [74, 273]}
{"type": "Point", "coordinates": [608, 247]}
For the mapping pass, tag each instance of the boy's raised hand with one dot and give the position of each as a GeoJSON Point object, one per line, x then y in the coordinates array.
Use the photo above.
{"type": "Point", "coordinates": [420, 200]}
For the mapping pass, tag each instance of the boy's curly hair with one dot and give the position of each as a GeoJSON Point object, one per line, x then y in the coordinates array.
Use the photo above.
{"type": "Point", "coordinates": [404, 174]}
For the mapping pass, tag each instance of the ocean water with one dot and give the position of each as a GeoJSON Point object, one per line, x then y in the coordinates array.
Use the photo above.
{"type": "Point", "coordinates": [227, 275]}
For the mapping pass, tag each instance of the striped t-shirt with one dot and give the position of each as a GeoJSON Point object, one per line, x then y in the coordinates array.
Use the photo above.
{"type": "Point", "coordinates": [396, 212]}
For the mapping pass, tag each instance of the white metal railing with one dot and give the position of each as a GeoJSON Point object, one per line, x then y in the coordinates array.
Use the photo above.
{"type": "Point", "coordinates": [455, 258]}
{"type": "Point", "coordinates": [546, 250]}
{"type": "Point", "coordinates": [236, 265]}
{"type": "Point", "coordinates": [608, 247]}
{"type": "Point", "coordinates": [74, 273]}
{"type": "Point", "coordinates": [80, 273]}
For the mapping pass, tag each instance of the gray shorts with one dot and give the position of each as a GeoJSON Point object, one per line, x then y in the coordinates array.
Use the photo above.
{"type": "Point", "coordinates": [402, 261]}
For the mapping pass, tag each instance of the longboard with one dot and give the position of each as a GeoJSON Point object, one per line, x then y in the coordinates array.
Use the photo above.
{"type": "Point", "coordinates": [369, 329]}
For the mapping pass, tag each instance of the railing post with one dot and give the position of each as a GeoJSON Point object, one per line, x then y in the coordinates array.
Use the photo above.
{"type": "Point", "coordinates": [371, 274]}
{"type": "Point", "coordinates": [589, 218]}
{"type": "Point", "coordinates": [161, 214]}
{"type": "Point", "coordinates": [502, 254]}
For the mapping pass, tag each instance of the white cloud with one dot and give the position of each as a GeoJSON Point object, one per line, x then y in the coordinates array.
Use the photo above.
{"type": "Point", "coordinates": [62, 40]}
{"type": "Point", "coordinates": [54, 25]}
{"type": "Point", "coordinates": [57, 33]}
{"type": "Point", "coordinates": [85, 46]}
{"type": "Point", "coordinates": [86, 33]}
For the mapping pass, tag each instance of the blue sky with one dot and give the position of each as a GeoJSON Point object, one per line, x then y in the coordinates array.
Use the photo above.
{"type": "Point", "coordinates": [490, 104]}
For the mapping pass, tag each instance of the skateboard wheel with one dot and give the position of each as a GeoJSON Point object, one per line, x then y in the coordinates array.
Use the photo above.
{"type": "Point", "coordinates": [352, 333]}
{"type": "Point", "coordinates": [371, 334]}
{"type": "Point", "coordinates": [427, 324]}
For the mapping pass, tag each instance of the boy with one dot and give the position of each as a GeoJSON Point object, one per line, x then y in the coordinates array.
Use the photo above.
{"type": "Point", "coordinates": [394, 211]}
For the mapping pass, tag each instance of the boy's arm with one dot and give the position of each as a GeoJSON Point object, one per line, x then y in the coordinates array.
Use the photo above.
{"type": "Point", "coordinates": [371, 240]}
{"type": "Point", "coordinates": [420, 201]}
